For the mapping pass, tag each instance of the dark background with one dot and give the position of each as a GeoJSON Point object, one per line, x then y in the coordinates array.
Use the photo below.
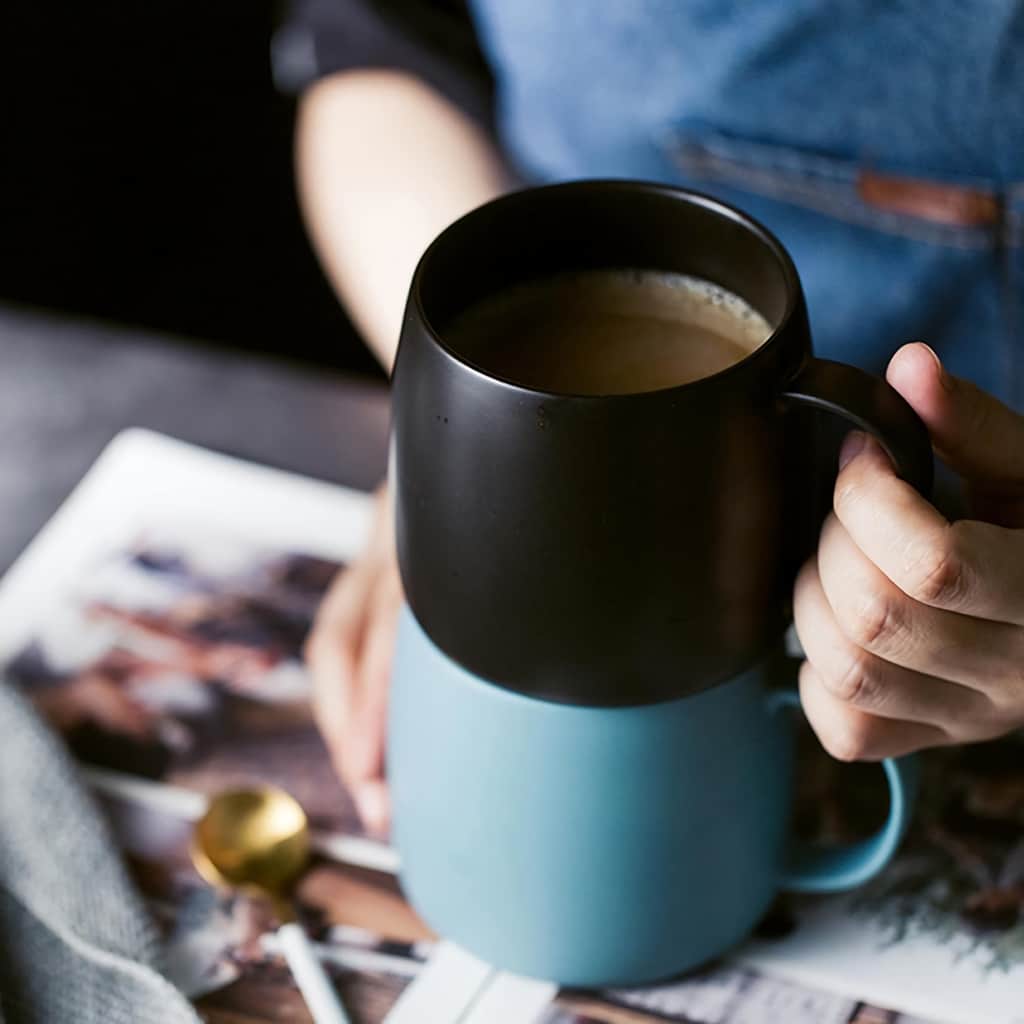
{"type": "Point", "coordinates": [146, 176]}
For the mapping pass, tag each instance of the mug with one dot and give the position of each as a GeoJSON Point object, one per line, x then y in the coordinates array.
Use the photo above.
{"type": "Point", "coordinates": [614, 549]}
{"type": "Point", "coordinates": [599, 846]}
{"type": "Point", "coordinates": [590, 771]}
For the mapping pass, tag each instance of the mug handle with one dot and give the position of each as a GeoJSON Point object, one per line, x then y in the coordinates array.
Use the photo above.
{"type": "Point", "coordinates": [816, 869]}
{"type": "Point", "coordinates": [870, 404]}
{"type": "Point", "coordinates": [867, 403]}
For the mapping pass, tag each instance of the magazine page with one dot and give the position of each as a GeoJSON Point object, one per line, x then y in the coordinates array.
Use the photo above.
{"type": "Point", "coordinates": [941, 931]}
{"type": "Point", "coordinates": [158, 621]}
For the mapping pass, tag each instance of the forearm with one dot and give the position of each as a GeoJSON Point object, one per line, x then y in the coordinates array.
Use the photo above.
{"type": "Point", "coordinates": [383, 164]}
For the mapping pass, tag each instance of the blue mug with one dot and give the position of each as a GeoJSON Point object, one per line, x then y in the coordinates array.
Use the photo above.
{"type": "Point", "coordinates": [602, 846]}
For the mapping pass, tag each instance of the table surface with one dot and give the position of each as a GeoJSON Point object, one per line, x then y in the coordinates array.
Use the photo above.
{"type": "Point", "coordinates": [68, 386]}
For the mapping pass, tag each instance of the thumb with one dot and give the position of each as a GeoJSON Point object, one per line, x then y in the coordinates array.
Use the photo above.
{"type": "Point", "coordinates": [976, 435]}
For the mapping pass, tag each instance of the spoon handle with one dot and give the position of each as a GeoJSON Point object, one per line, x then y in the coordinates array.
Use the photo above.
{"type": "Point", "coordinates": [310, 976]}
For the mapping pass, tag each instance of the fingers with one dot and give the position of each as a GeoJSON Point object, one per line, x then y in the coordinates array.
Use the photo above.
{"type": "Point", "coordinates": [968, 567]}
{"type": "Point", "coordinates": [876, 616]}
{"type": "Point", "coordinates": [332, 653]}
{"type": "Point", "coordinates": [865, 683]}
{"type": "Point", "coordinates": [367, 730]}
{"type": "Point", "coordinates": [849, 734]}
{"type": "Point", "coordinates": [912, 625]}
{"type": "Point", "coordinates": [980, 438]}
{"type": "Point", "coordinates": [349, 653]}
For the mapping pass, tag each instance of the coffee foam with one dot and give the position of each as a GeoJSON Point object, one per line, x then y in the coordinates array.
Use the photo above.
{"type": "Point", "coordinates": [608, 331]}
{"type": "Point", "coordinates": [695, 300]}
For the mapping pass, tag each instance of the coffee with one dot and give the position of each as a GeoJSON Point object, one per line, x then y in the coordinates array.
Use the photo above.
{"type": "Point", "coordinates": [599, 332]}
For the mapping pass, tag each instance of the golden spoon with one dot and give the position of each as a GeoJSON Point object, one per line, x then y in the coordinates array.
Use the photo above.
{"type": "Point", "coordinates": [257, 839]}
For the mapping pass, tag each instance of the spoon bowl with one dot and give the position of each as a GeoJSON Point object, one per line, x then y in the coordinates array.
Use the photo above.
{"type": "Point", "coordinates": [256, 838]}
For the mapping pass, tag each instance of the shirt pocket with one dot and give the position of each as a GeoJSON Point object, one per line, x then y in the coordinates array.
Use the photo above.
{"type": "Point", "coordinates": [921, 206]}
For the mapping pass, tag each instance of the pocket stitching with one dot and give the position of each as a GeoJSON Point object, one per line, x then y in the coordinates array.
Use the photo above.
{"type": "Point", "coordinates": [819, 185]}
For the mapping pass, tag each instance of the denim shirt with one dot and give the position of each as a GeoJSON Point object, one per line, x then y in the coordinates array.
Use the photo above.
{"type": "Point", "coordinates": [881, 140]}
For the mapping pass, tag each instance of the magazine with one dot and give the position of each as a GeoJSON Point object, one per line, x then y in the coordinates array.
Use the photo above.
{"type": "Point", "coordinates": [158, 621]}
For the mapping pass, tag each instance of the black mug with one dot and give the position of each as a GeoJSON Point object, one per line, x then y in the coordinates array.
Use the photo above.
{"type": "Point", "coordinates": [623, 549]}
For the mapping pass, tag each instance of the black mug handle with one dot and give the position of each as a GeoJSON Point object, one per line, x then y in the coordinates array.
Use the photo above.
{"type": "Point", "coordinates": [868, 403]}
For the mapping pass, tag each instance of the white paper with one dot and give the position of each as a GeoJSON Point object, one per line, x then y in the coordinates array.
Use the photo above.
{"type": "Point", "coordinates": [146, 479]}
{"type": "Point", "coordinates": [510, 999]}
{"type": "Point", "coordinates": [443, 990]}
{"type": "Point", "coordinates": [943, 982]}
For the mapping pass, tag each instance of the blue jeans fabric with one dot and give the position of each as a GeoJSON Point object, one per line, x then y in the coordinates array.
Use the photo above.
{"type": "Point", "coordinates": [779, 108]}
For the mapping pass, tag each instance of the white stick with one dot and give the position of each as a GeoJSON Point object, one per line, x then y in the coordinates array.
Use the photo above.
{"type": "Point", "coordinates": [310, 976]}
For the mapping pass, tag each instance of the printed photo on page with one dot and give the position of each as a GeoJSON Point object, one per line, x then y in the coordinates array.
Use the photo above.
{"type": "Point", "coordinates": [177, 658]}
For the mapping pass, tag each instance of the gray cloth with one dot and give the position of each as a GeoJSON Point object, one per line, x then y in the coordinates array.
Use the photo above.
{"type": "Point", "coordinates": [76, 943]}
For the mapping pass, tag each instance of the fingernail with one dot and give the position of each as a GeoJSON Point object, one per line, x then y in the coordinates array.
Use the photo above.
{"type": "Point", "coordinates": [371, 799]}
{"type": "Point", "coordinates": [853, 445]}
{"type": "Point", "coordinates": [943, 376]}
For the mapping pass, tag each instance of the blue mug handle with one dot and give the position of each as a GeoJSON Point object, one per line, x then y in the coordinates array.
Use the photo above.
{"type": "Point", "coordinates": [817, 869]}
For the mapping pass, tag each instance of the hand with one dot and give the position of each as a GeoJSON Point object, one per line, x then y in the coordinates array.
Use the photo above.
{"type": "Point", "coordinates": [913, 626]}
{"type": "Point", "coordinates": [349, 652]}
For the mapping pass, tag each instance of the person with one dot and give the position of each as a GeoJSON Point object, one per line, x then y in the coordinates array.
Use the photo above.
{"type": "Point", "coordinates": [881, 143]}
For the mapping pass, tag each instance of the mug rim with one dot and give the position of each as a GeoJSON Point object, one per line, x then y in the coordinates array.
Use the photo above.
{"type": "Point", "coordinates": [676, 193]}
